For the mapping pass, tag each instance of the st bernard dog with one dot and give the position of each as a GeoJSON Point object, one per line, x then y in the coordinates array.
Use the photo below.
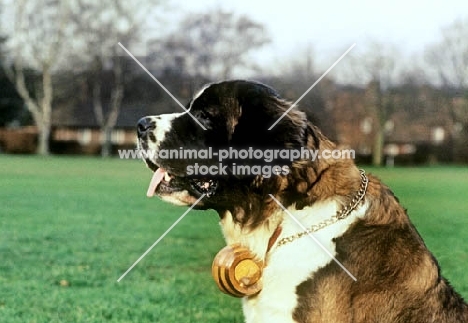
{"type": "Point", "coordinates": [366, 263]}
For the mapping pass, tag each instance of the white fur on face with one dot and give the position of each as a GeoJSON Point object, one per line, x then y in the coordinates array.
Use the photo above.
{"type": "Point", "coordinates": [163, 124]}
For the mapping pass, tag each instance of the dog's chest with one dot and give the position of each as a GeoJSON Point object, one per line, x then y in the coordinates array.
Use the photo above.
{"type": "Point", "coordinates": [293, 263]}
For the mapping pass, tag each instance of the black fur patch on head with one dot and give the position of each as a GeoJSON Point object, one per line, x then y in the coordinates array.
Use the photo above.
{"type": "Point", "coordinates": [237, 115]}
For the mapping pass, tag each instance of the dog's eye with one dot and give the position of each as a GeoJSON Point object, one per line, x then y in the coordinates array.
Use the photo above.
{"type": "Point", "coordinates": [204, 118]}
{"type": "Point", "coordinates": [204, 115]}
{"type": "Point", "coordinates": [208, 113]}
{"type": "Point", "coordinates": [201, 115]}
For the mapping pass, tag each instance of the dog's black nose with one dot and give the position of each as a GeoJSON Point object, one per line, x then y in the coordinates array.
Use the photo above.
{"type": "Point", "coordinates": [144, 126]}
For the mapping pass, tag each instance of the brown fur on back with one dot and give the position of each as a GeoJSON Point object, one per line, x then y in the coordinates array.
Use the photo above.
{"type": "Point", "coordinates": [395, 272]}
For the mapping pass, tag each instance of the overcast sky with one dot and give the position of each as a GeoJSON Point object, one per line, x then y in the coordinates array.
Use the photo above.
{"type": "Point", "coordinates": [329, 27]}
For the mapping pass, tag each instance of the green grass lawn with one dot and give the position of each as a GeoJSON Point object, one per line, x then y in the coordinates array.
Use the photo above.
{"type": "Point", "coordinates": [70, 227]}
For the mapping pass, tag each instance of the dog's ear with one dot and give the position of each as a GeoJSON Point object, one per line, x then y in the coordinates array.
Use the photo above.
{"type": "Point", "coordinates": [219, 110]}
{"type": "Point", "coordinates": [294, 124]}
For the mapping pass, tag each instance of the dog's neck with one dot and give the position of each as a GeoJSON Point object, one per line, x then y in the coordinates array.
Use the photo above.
{"type": "Point", "coordinates": [341, 214]}
{"type": "Point", "coordinates": [262, 239]}
{"type": "Point", "coordinates": [259, 239]}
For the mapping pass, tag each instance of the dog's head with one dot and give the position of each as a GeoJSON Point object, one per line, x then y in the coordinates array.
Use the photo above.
{"type": "Point", "coordinates": [237, 116]}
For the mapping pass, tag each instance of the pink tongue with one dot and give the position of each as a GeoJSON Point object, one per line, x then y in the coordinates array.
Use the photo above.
{"type": "Point", "coordinates": [155, 180]}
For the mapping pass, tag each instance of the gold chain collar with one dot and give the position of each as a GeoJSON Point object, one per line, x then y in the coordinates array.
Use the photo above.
{"type": "Point", "coordinates": [340, 214]}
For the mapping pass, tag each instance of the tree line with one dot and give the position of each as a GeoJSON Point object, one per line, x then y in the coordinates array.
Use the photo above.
{"type": "Point", "coordinates": [48, 50]}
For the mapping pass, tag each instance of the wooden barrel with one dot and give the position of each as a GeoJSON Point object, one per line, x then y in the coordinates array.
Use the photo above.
{"type": "Point", "coordinates": [237, 272]}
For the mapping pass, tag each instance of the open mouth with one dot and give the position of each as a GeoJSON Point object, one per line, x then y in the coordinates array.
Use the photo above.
{"type": "Point", "coordinates": [163, 181]}
{"type": "Point", "coordinates": [160, 178]}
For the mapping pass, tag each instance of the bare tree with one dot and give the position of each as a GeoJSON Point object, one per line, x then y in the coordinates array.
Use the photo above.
{"type": "Point", "coordinates": [214, 43]}
{"type": "Point", "coordinates": [375, 66]}
{"type": "Point", "coordinates": [449, 59]}
{"type": "Point", "coordinates": [294, 76]}
{"type": "Point", "coordinates": [93, 30]}
{"type": "Point", "coordinates": [100, 25]}
{"type": "Point", "coordinates": [36, 42]}
{"type": "Point", "coordinates": [449, 56]}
